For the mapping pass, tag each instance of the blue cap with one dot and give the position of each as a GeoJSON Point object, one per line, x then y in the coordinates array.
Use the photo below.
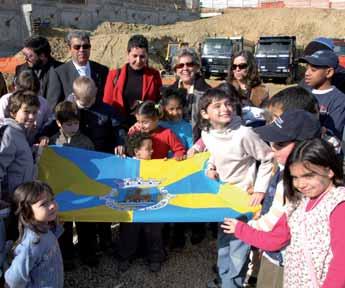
{"type": "Point", "coordinates": [325, 41]}
{"type": "Point", "coordinates": [292, 125]}
{"type": "Point", "coordinates": [322, 58]}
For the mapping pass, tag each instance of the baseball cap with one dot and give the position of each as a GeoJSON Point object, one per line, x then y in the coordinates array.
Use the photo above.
{"type": "Point", "coordinates": [320, 43]}
{"type": "Point", "coordinates": [293, 125]}
{"type": "Point", "coordinates": [322, 58]}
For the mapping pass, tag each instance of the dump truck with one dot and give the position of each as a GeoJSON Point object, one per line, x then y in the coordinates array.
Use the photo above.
{"type": "Point", "coordinates": [216, 53]}
{"type": "Point", "coordinates": [276, 58]}
{"type": "Point", "coordinates": [339, 49]}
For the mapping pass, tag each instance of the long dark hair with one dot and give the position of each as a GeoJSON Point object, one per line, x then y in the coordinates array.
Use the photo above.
{"type": "Point", "coordinates": [24, 196]}
{"type": "Point", "coordinates": [316, 152]}
{"type": "Point", "coordinates": [253, 78]}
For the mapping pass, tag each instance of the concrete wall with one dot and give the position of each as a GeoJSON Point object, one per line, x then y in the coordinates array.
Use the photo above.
{"type": "Point", "coordinates": [93, 12]}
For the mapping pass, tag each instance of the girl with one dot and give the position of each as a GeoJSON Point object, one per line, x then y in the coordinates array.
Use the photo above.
{"type": "Point", "coordinates": [313, 223]}
{"type": "Point", "coordinates": [163, 139]}
{"type": "Point", "coordinates": [173, 102]}
{"type": "Point", "coordinates": [235, 150]}
{"type": "Point", "coordinates": [37, 261]}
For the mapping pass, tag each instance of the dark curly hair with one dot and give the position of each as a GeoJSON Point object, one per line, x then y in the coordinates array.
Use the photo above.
{"type": "Point", "coordinates": [135, 141]}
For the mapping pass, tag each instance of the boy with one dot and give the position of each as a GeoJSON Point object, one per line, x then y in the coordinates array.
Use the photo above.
{"type": "Point", "coordinates": [139, 146]}
{"type": "Point", "coordinates": [283, 134]}
{"type": "Point", "coordinates": [320, 70]}
{"type": "Point", "coordinates": [101, 124]}
{"type": "Point", "coordinates": [16, 159]}
{"type": "Point", "coordinates": [67, 119]}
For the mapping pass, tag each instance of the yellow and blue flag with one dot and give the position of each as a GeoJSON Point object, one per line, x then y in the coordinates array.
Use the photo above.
{"type": "Point", "coordinates": [93, 186]}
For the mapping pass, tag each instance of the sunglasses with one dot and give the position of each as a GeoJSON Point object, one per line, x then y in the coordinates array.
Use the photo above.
{"type": "Point", "coordinates": [84, 46]}
{"type": "Point", "coordinates": [181, 65]}
{"type": "Point", "coordinates": [240, 66]}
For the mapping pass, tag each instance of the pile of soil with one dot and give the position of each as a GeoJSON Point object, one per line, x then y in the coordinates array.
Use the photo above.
{"type": "Point", "coordinates": [109, 40]}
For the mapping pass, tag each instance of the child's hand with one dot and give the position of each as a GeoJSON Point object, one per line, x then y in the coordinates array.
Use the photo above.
{"type": "Point", "coordinates": [256, 198]}
{"type": "Point", "coordinates": [229, 225]}
{"type": "Point", "coordinates": [119, 150]}
{"type": "Point", "coordinates": [135, 128]}
{"type": "Point", "coordinates": [191, 152]}
{"type": "Point", "coordinates": [43, 141]}
{"type": "Point", "coordinates": [180, 158]}
{"type": "Point", "coordinates": [212, 174]}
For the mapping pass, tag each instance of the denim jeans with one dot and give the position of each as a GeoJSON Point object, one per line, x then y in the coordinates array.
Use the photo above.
{"type": "Point", "coordinates": [233, 258]}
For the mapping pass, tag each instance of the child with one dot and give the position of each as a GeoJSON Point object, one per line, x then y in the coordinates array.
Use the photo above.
{"type": "Point", "coordinates": [283, 134]}
{"type": "Point", "coordinates": [320, 70]}
{"type": "Point", "coordinates": [313, 222]}
{"type": "Point", "coordinates": [173, 102]}
{"type": "Point", "coordinates": [163, 139]}
{"type": "Point", "coordinates": [139, 146]}
{"type": "Point", "coordinates": [67, 119]}
{"type": "Point", "coordinates": [37, 258]}
{"type": "Point", "coordinates": [234, 151]}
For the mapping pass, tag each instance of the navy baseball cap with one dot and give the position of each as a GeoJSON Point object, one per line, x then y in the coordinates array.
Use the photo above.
{"type": "Point", "coordinates": [322, 58]}
{"type": "Point", "coordinates": [293, 125]}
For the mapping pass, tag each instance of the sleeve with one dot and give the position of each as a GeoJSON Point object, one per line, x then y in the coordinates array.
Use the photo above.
{"type": "Point", "coordinates": [267, 221]}
{"type": "Point", "coordinates": [109, 88]}
{"type": "Point", "coordinates": [158, 84]}
{"type": "Point", "coordinates": [336, 119]}
{"type": "Point", "coordinates": [3, 106]}
{"type": "Point", "coordinates": [46, 111]}
{"type": "Point", "coordinates": [175, 144]}
{"type": "Point", "coordinates": [199, 145]}
{"type": "Point", "coordinates": [118, 131]}
{"type": "Point", "coordinates": [7, 154]}
{"type": "Point", "coordinates": [54, 90]}
{"type": "Point", "coordinates": [260, 151]}
{"type": "Point", "coordinates": [18, 274]}
{"type": "Point", "coordinates": [273, 240]}
{"type": "Point", "coordinates": [336, 276]}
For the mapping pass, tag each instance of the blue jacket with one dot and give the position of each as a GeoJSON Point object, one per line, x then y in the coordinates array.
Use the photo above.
{"type": "Point", "coordinates": [37, 262]}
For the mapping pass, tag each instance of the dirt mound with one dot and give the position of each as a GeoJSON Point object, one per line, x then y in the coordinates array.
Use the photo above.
{"type": "Point", "coordinates": [109, 40]}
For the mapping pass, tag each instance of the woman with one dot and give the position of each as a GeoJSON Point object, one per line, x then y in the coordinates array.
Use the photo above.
{"type": "Point", "coordinates": [244, 76]}
{"type": "Point", "coordinates": [186, 65]}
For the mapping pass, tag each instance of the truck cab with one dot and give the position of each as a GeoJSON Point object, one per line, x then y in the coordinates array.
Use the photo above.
{"type": "Point", "coordinates": [276, 58]}
{"type": "Point", "coordinates": [216, 53]}
{"type": "Point", "coordinates": [339, 49]}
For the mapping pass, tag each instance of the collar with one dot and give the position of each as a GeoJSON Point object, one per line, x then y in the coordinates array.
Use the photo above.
{"type": "Point", "coordinates": [321, 92]}
{"type": "Point", "coordinates": [83, 69]}
{"type": "Point", "coordinates": [190, 90]}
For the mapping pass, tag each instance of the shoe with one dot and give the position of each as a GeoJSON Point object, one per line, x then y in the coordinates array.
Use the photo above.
{"type": "Point", "coordinates": [123, 266]}
{"type": "Point", "coordinates": [155, 266]}
{"type": "Point", "coordinates": [215, 283]}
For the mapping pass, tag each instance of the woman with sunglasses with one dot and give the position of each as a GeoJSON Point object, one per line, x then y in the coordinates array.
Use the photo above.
{"type": "Point", "coordinates": [244, 76]}
{"type": "Point", "coordinates": [186, 65]}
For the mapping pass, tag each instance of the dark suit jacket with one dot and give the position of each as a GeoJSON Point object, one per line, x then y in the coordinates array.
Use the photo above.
{"type": "Point", "coordinates": [42, 74]}
{"type": "Point", "coordinates": [61, 81]}
{"type": "Point", "coordinates": [3, 87]}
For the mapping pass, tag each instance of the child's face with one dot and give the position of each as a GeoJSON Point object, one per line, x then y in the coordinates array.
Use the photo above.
{"type": "Point", "coordinates": [145, 151]}
{"type": "Point", "coordinates": [69, 128]}
{"type": "Point", "coordinates": [282, 151]}
{"type": "Point", "coordinates": [317, 77]}
{"type": "Point", "coordinates": [85, 102]}
{"type": "Point", "coordinates": [311, 180]}
{"type": "Point", "coordinates": [45, 209]}
{"type": "Point", "coordinates": [146, 124]}
{"type": "Point", "coordinates": [173, 110]}
{"type": "Point", "coordinates": [26, 116]}
{"type": "Point", "coordinates": [219, 113]}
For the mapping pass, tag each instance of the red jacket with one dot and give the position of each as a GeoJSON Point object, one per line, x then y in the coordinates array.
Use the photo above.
{"type": "Point", "coordinates": [113, 96]}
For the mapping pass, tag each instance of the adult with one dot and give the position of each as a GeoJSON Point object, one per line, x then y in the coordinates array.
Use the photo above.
{"type": "Point", "coordinates": [61, 81]}
{"type": "Point", "coordinates": [244, 76]}
{"type": "Point", "coordinates": [133, 81]}
{"type": "Point", "coordinates": [37, 53]}
{"type": "Point", "coordinates": [186, 65]}
{"type": "Point", "coordinates": [323, 43]}
{"type": "Point", "coordinates": [3, 87]}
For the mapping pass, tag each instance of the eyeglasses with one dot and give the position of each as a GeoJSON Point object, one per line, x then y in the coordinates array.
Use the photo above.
{"type": "Point", "coordinates": [84, 46]}
{"type": "Point", "coordinates": [240, 66]}
{"type": "Point", "coordinates": [181, 65]}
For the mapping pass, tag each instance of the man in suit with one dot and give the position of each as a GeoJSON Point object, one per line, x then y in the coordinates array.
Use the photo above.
{"type": "Point", "coordinates": [37, 53]}
{"type": "Point", "coordinates": [61, 81]}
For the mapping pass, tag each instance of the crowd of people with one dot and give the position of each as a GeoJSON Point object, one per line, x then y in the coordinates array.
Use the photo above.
{"type": "Point", "coordinates": [284, 150]}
